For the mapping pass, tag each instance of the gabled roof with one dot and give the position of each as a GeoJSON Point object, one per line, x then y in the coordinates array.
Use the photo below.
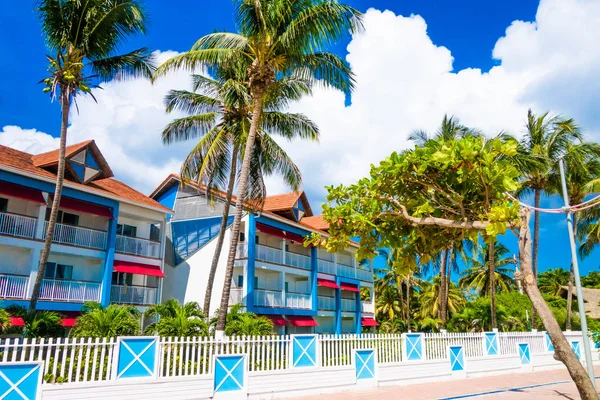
{"type": "Point", "coordinates": [316, 222]}
{"type": "Point", "coordinates": [21, 162]}
{"type": "Point", "coordinates": [294, 206]}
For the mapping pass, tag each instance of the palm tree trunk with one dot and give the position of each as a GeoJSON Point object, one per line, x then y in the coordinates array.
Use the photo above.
{"type": "Point", "coordinates": [571, 283]}
{"type": "Point", "coordinates": [492, 278]}
{"type": "Point", "coordinates": [65, 102]}
{"type": "Point", "coordinates": [536, 245]}
{"type": "Point", "coordinates": [258, 91]}
{"type": "Point", "coordinates": [562, 348]}
{"type": "Point", "coordinates": [442, 291]}
{"type": "Point", "coordinates": [408, 303]}
{"type": "Point", "coordinates": [400, 296]}
{"type": "Point", "coordinates": [221, 238]}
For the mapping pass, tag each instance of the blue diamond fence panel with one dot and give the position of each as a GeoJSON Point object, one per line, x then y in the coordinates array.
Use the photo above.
{"type": "Point", "coordinates": [21, 380]}
{"type": "Point", "coordinates": [136, 357]}
{"type": "Point", "coordinates": [524, 353]}
{"type": "Point", "coordinates": [230, 375]}
{"type": "Point", "coordinates": [365, 363]}
{"type": "Point", "coordinates": [457, 358]}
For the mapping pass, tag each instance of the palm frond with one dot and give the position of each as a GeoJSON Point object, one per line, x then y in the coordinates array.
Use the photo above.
{"type": "Point", "coordinates": [187, 128]}
{"type": "Point", "coordinates": [137, 63]}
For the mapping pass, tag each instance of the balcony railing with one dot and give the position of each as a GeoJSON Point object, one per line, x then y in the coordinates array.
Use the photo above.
{"type": "Point", "coordinates": [268, 298]}
{"type": "Point", "coordinates": [298, 300]}
{"type": "Point", "coordinates": [17, 225]}
{"type": "Point", "coordinates": [137, 246]}
{"type": "Point", "coordinates": [326, 303]}
{"type": "Point", "coordinates": [367, 307]}
{"type": "Point", "coordinates": [349, 305]}
{"type": "Point", "coordinates": [242, 250]}
{"type": "Point", "coordinates": [345, 271]}
{"type": "Point", "coordinates": [236, 296]}
{"type": "Point", "coordinates": [127, 294]}
{"type": "Point", "coordinates": [297, 260]}
{"type": "Point", "coordinates": [78, 236]}
{"type": "Point", "coordinates": [364, 275]}
{"type": "Point", "coordinates": [71, 291]}
{"type": "Point", "coordinates": [326, 267]}
{"type": "Point", "coordinates": [269, 254]}
{"type": "Point", "coordinates": [13, 286]}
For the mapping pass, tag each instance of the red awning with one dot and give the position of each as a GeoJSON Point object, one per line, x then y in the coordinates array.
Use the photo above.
{"type": "Point", "coordinates": [68, 322]}
{"type": "Point", "coordinates": [84, 207]}
{"type": "Point", "coordinates": [327, 283]}
{"type": "Point", "coordinates": [277, 320]}
{"type": "Point", "coordinates": [369, 322]}
{"type": "Point", "coordinates": [301, 320]}
{"type": "Point", "coordinates": [17, 321]}
{"type": "Point", "coordinates": [349, 287]}
{"type": "Point", "coordinates": [138, 268]}
{"type": "Point", "coordinates": [22, 192]}
{"type": "Point", "coordinates": [269, 230]}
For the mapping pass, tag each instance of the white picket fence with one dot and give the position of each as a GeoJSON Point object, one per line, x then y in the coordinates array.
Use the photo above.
{"type": "Point", "coordinates": [91, 359]}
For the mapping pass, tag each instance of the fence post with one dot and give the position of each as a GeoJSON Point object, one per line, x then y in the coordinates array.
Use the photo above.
{"type": "Point", "coordinates": [491, 344]}
{"type": "Point", "coordinates": [136, 357]}
{"type": "Point", "coordinates": [230, 381]}
{"type": "Point", "coordinates": [548, 343]}
{"type": "Point", "coordinates": [305, 351]}
{"type": "Point", "coordinates": [413, 348]}
{"type": "Point", "coordinates": [365, 366]}
{"type": "Point", "coordinates": [525, 355]}
{"type": "Point", "coordinates": [576, 348]}
{"type": "Point", "coordinates": [21, 380]}
{"type": "Point", "coordinates": [457, 360]}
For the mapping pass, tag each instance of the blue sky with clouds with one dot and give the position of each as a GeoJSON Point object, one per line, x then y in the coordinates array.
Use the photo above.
{"type": "Point", "coordinates": [486, 62]}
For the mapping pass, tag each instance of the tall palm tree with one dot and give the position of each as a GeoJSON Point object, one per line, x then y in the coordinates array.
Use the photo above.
{"type": "Point", "coordinates": [176, 319]}
{"type": "Point", "coordinates": [279, 38]}
{"type": "Point", "coordinates": [476, 278]}
{"type": "Point", "coordinates": [552, 280]}
{"type": "Point", "coordinates": [106, 322]}
{"type": "Point", "coordinates": [220, 114]}
{"type": "Point", "coordinates": [545, 141]}
{"type": "Point", "coordinates": [388, 303]}
{"type": "Point", "coordinates": [83, 38]}
{"type": "Point", "coordinates": [429, 298]}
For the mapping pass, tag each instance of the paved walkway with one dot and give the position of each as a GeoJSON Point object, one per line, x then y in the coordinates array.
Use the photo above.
{"type": "Point", "coordinates": [554, 384]}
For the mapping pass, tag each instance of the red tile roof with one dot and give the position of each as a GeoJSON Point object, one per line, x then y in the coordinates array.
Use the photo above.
{"type": "Point", "coordinates": [280, 202]}
{"type": "Point", "coordinates": [108, 187]}
{"type": "Point", "coordinates": [51, 157]}
{"type": "Point", "coordinates": [315, 222]}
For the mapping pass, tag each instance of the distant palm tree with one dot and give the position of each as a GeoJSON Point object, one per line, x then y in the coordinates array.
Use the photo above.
{"type": "Point", "coordinates": [106, 322]}
{"type": "Point", "coordinates": [83, 37]}
{"type": "Point", "coordinates": [279, 38]}
{"type": "Point", "coordinates": [249, 324]}
{"type": "Point", "coordinates": [477, 276]}
{"type": "Point", "coordinates": [387, 302]}
{"type": "Point", "coordinates": [174, 319]}
{"type": "Point", "coordinates": [37, 323]}
{"type": "Point", "coordinates": [552, 280]}
{"type": "Point", "coordinates": [429, 298]}
{"type": "Point", "coordinates": [4, 320]}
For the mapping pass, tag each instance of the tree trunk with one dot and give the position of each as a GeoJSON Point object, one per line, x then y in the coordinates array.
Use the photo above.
{"type": "Point", "coordinates": [571, 281]}
{"type": "Point", "coordinates": [443, 301]}
{"type": "Point", "coordinates": [257, 95]}
{"type": "Point", "coordinates": [536, 245]}
{"type": "Point", "coordinates": [408, 303]}
{"type": "Point", "coordinates": [492, 278]}
{"type": "Point", "coordinates": [220, 239]}
{"type": "Point", "coordinates": [400, 296]}
{"type": "Point", "coordinates": [562, 348]}
{"type": "Point", "coordinates": [65, 102]}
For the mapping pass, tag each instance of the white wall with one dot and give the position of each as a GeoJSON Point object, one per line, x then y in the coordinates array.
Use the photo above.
{"type": "Point", "coordinates": [14, 260]}
{"type": "Point", "coordinates": [18, 206]}
{"type": "Point", "coordinates": [143, 227]}
{"type": "Point", "coordinates": [84, 268]}
{"type": "Point", "coordinates": [326, 324]}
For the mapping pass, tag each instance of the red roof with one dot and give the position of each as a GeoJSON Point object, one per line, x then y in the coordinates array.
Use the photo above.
{"type": "Point", "coordinates": [369, 322]}
{"type": "Point", "coordinates": [281, 201]}
{"type": "Point", "coordinates": [138, 268]}
{"type": "Point", "coordinates": [109, 187]}
{"type": "Point", "coordinates": [315, 222]}
{"type": "Point", "coordinates": [301, 320]}
{"type": "Point", "coordinates": [51, 157]}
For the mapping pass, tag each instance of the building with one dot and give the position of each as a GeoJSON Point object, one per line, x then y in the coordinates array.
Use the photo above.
{"type": "Point", "coordinates": [302, 289]}
{"type": "Point", "coordinates": [108, 245]}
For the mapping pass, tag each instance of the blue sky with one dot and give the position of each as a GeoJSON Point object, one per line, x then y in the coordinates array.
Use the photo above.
{"type": "Point", "coordinates": [412, 70]}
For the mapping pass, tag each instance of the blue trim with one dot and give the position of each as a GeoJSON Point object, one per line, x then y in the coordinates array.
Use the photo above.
{"type": "Point", "coordinates": [314, 271]}
{"type": "Point", "coordinates": [338, 308]}
{"type": "Point", "coordinates": [90, 161]}
{"type": "Point", "coordinates": [283, 311]}
{"type": "Point", "coordinates": [44, 305]}
{"type": "Point", "coordinates": [250, 265]}
{"type": "Point", "coordinates": [351, 281]}
{"type": "Point", "coordinates": [79, 170]}
{"type": "Point", "coordinates": [167, 199]}
{"type": "Point", "coordinates": [358, 319]}
{"type": "Point", "coordinates": [276, 224]}
{"type": "Point", "coordinates": [109, 259]}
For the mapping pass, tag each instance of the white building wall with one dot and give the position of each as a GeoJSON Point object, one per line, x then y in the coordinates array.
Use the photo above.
{"type": "Point", "coordinates": [18, 206]}
{"type": "Point", "coordinates": [14, 260]}
{"type": "Point", "coordinates": [84, 268]}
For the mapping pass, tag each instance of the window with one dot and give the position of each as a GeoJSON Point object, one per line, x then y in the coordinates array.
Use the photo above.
{"type": "Point", "coordinates": [287, 286]}
{"type": "Point", "coordinates": [64, 217]}
{"type": "Point", "coordinates": [127, 230]}
{"type": "Point", "coordinates": [255, 282]}
{"type": "Point", "coordinates": [240, 282]}
{"type": "Point", "coordinates": [256, 240]}
{"type": "Point", "coordinates": [122, 278]}
{"type": "Point", "coordinates": [242, 237]}
{"type": "Point", "coordinates": [154, 233]}
{"type": "Point", "coordinates": [58, 271]}
{"type": "Point", "coordinates": [3, 204]}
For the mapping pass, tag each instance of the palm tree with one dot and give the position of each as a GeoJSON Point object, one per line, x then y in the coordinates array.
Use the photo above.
{"type": "Point", "coordinates": [249, 324]}
{"type": "Point", "coordinates": [429, 298]}
{"type": "Point", "coordinates": [4, 320]}
{"type": "Point", "coordinates": [83, 38]}
{"type": "Point", "coordinates": [220, 116]}
{"type": "Point", "coordinates": [477, 277]}
{"type": "Point", "coordinates": [106, 322]}
{"type": "Point", "coordinates": [279, 38]}
{"type": "Point", "coordinates": [38, 323]}
{"type": "Point", "coordinates": [387, 302]}
{"type": "Point", "coordinates": [545, 141]}
{"type": "Point", "coordinates": [551, 281]}
{"type": "Point", "coordinates": [176, 319]}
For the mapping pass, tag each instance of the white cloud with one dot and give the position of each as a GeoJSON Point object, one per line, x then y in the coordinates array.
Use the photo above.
{"type": "Point", "coordinates": [405, 82]}
{"type": "Point", "coordinates": [27, 140]}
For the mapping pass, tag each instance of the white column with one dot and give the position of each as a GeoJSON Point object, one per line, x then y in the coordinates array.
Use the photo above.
{"type": "Point", "coordinates": [41, 219]}
{"type": "Point", "coordinates": [283, 252]}
{"type": "Point", "coordinates": [34, 263]}
{"type": "Point", "coordinates": [283, 292]}
{"type": "Point", "coordinates": [163, 238]}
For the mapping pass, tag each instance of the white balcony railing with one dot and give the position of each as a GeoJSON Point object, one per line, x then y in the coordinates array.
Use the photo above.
{"type": "Point", "coordinates": [268, 254]}
{"type": "Point", "coordinates": [326, 303]}
{"type": "Point", "coordinates": [13, 286]}
{"type": "Point", "coordinates": [137, 246]}
{"type": "Point", "coordinates": [345, 271]}
{"type": "Point", "coordinates": [242, 250]}
{"type": "Point", "coordinates": [72, 291]}
{"type": "Point", "coordinates": [367, 307]}
{"type": "Point", "coordinates": [268, 298]}
{"type": "Point", "coordinates": [364, 275]}
{"type": "Point", "coordinates": [298, 300]}
{"type": "Point", "coordinates": [17, 225]}
{"type": "Point", "coordinates": [297, 260]}
{"type": "Point", "coordinates": [326, 267]}
{"type": "Point", "coordinates": [78, 236]}
{"type": "Point", "coordinates": [236, 296]}
{"type": "Point", "coordinates": [349, 305]}
{"type": "Point", "coordinates": [140, 295]}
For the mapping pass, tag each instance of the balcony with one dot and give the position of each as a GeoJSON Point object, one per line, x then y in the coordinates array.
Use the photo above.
{"type": "Point", "coordinates": [268, 298]}
{"type": "Point", "coordinates": [364, 275]}
{"type": "Point", "coordinates": [345, 271]}
{"type": "Point", "coordinates": [299, 301]}
{"type": "Point", "coordinates": [13, 286]}
{"type": "Point", "coordinates": [129, 294]}
{"type": "Point", "coordinates": [326, 267]}
{"type": "Point", "coordinates": [297, 260]}
{"type": "Point", "coordinates": [276, 256]}
{"type": "Point", "coordinates": [17, 225]}
{"type": "Point", "coordinates": [236, 296]}
{"type": "Point", "coordinates": [326, 303]}
{"type": "Point", "coordinates": [349, 305]}
{"type": "Point", "coordinates": [137, 246]}
{"type": "Point", "coordinates": [78, 236]}
{"type": "Point", "coordinates": [368, 307]}
{"type": "Point", "coordinates": [70, 291]}
{"type": "Point", "coordinates": [269, 254]}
